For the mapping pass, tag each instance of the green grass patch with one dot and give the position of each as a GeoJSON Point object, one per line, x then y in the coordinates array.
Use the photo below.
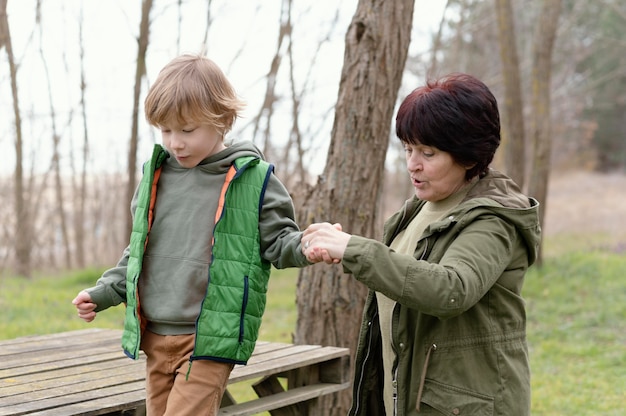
{"type": "Point", "coordinates": [576, 324]}
{"type": "Point", "coordinates": [577, 334]}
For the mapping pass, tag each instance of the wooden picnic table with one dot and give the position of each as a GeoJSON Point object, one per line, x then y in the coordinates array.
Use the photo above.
{"type": "Point", "coordinates": [85, 372]}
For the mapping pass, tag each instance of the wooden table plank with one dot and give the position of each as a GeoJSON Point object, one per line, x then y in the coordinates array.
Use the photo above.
{"type": "Point", "coordinates": [71, 384]}
{"type": "Point", "coordinates": [107, 397]}
{"type": "Point", "coordinates": [99, 406]}
{"type": "Point", "coordinates": [21, 378]}
{"type": "Point", "coordinates": [282, 363]}
{"type": "Point", "coordinates": [281, 399]}
{"type": "Point", "coordinates": [26, 367]}
{"type": "Point", "coordinates": [53, 341]}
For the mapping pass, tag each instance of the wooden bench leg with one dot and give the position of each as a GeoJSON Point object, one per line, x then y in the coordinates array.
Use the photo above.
{"type": "Point", "coordinates": [227, 399]}
{"type": "Point", "coordinates": [269, 386]}
{"type": "Point", "coordinates": [138, 411]}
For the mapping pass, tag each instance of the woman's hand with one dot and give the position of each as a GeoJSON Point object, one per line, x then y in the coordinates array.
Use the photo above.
{"type": "Point", "coordinates": [324, 242]}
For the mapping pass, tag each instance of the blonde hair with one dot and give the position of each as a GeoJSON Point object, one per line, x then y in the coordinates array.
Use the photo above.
{"type": "Point", "coordinates": [192, 88]}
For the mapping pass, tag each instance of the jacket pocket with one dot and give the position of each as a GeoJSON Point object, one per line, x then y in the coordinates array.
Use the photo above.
{"type": "Point", "coordinates": [451, 400]}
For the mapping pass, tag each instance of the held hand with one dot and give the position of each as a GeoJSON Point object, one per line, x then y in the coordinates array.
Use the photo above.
{"type": "Point", "coordinates": [324, 242]}
{"type": "Point", "coordinates": [85, 306]}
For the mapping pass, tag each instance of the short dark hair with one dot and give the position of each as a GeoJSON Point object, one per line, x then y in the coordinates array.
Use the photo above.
{"type": "Point", "coordinates": [457, 114]}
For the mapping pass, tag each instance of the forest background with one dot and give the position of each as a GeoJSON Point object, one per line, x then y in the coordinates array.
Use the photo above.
{"type": "Point", "coordinates": [73, 75]}
{"type": "Point", "coordinates": [72, 130]}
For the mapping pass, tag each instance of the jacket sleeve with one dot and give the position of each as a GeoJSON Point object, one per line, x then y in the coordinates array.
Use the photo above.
{"type": "Point", "coordinates": [469, 266]}
{"type": "Point", "coordinates": [280, 235]}
{"type": "Point", "coordinates": [110, 290]}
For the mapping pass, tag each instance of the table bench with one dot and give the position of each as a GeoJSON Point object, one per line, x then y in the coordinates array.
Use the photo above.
{"type": "Point", "coordinates": [86, 373]}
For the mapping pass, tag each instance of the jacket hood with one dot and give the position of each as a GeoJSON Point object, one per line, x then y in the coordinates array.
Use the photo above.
{"type": "Point", "coordinates": [501, 189]}
{"type": "Point", "coordinates": [221, 161]}
{"type": "Point", "coordinates": [499, 194]}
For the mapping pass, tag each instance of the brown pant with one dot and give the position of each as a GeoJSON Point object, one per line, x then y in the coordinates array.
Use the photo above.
{"type": "Point", "coordinates": [168, 390]}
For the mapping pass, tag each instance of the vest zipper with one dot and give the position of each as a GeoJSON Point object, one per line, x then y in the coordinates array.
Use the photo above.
{"type": "Point", "coordinates": [244, 305]}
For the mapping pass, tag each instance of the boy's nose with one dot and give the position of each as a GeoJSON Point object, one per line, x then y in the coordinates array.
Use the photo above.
{"type": "Point", "coordinates": [176, 142]}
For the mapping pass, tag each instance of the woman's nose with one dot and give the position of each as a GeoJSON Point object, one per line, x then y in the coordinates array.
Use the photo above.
{"type": "Point", "coordinates": [413, 162]}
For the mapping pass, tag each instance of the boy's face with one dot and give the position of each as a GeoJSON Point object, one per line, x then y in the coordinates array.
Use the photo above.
{"type": "Point", "coordinates": [191, 143]}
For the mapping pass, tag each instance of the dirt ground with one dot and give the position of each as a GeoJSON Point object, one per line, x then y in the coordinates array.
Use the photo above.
{"type": "Point", "coordinates": [586, 202]}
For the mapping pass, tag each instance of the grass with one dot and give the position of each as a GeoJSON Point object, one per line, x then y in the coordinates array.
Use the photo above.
{"type": "Point", "coordinates": [576, 324]}
{"type": "Point", "coordinates": [577, 334]}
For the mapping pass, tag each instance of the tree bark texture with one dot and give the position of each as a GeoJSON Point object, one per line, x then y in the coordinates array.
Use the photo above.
{"type": "Point", "coordinates": [330, 303]}
{"type": "Point", "coordinates": [513, 134]}
{"type": "Point", "coordinates": [541, 76]}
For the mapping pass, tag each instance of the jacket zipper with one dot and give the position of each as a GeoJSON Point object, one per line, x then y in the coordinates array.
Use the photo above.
{"type": "Point", "coordinates": [357, 400]}
{"type": "Point", "coordinates": [395, 392]}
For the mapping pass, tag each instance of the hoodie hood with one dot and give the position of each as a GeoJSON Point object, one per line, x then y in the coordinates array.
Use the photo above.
{"type": "Point", "coordinates": [221, 161]}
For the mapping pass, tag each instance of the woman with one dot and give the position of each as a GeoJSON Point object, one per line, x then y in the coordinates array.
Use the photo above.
{"type": "Point", "coordinates": [444, 327]}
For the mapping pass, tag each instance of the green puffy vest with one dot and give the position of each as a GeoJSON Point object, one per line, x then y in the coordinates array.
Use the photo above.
{"type": "Point", "coordinates": [228, 324]}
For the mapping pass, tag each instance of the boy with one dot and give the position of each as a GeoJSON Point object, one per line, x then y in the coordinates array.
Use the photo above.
{"type": "Point", "coordinates": [208, 222]}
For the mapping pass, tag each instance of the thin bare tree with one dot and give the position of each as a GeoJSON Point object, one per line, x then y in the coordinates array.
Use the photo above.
{"type": "Point", "coordinates": [267, 107]}
{"type": "Point", "coordinates": [297, 173]}
{"type": "Point", "coordinates": [23, 225]}
{"type": "Point", "coordinates": [140, 72]}
{"type": "Point", "coordinates": [541, 92]}
{"type": "Point", "coordinates": [432, 69]}
{"type": "Point", "coordinates": [513, 135]}
{"type": "Point", "coordinates": [376, 45]}
{"type": "Point", "coordinates": [80, 191]}
{"type": "Point", "coordinates": [55, 163]}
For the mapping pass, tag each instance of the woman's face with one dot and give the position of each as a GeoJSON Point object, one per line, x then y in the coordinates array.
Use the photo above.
{"type": "Point", "coordinates": [434, 173]}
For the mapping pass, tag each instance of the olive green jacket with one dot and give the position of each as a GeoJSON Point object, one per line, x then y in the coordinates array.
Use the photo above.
{"type": "Point", "coordinates": [459, 324]}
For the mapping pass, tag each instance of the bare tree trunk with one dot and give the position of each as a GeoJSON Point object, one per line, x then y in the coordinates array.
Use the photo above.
{"type": "Point", "coordinates": [55, 163]}
{"type": "Point", "coordinates": [267, 108]}
{"type": "Point", "coordinates": [541, 76]}
{"type": "Point", "coordinates": [458, 44]}
{"type": "Point", "coordinates": [80, 192]}
{"type": "Point", "coordinates": [432, 68]}
{"type": "Point", "coordinates": [23, 225]}
{"type": "Point", "coordinates": [295, 135]}
{"type": "Point", "coordinates": [513, 135]}
{"type": "Point", "coordinates": [297, 173]}
{"type": "Point", "coordinates": [209, 21]}
{"type": "Point", "coordinates": [330, 303]}
{"type": "Point", "coordinates": [140, 72]}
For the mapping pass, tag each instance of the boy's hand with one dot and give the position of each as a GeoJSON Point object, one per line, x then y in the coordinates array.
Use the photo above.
{"type": "Point", "coordinates": [85, 306]}
{"type": "Point", "coordinates": [324, 242]}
